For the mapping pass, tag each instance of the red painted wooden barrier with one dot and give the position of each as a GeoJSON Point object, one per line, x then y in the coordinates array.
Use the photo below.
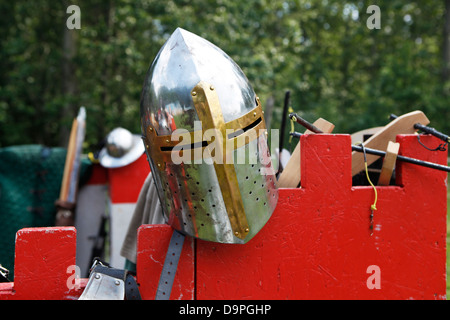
{"type": "Point", "coordinates": [152, 248]}
{"type": "Point", "coordinates": [43, 261]}
{"type": "Point", "coordinates": [317, 244]}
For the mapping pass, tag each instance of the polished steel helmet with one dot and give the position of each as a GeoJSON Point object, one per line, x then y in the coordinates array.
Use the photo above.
{"type": "Point", "coordinates": [204, 132]}
{"type": "Point", "coordinates": [121, 148]}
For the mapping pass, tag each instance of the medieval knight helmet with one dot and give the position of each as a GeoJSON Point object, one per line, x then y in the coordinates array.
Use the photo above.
{"type": "Point", "coordinates": [121, 148]}
{"type": "Point", "coordinates": [197, 104]}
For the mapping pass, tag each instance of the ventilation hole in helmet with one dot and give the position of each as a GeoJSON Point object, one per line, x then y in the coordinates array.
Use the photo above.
{"type": "Point", "coordinates": [250, 192]}
{"type": "Point", "coordinates": [257, 199]}
{"type": "Point", "coordinates": [265, 203]}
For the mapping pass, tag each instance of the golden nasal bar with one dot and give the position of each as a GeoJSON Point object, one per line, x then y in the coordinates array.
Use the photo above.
{"type": "Point", "coordinates": [206, 102]}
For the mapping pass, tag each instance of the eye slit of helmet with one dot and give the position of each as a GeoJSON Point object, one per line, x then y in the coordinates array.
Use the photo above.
{"type": "Point", "coordinates": [244, 130]}
{"type": "Point", "coordinates": [187, 146]}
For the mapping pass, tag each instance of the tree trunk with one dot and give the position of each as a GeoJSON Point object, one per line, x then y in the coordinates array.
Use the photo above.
{"type": "Point", "coordinates": [446, 43]}
{"type": "Point", "coordinates": [108, 15]}
{"type": "Point", "coordinates": [69, 83]}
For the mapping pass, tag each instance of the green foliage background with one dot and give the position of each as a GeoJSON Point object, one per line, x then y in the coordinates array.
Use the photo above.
{"type": "Point", "coordinates": [322, 51]}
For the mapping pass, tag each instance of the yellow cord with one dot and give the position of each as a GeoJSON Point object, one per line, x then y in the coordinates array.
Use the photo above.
{"type": "Point", "coordinates": [374, 205]}
{"type": "Point", "coordinates": [292, 124]}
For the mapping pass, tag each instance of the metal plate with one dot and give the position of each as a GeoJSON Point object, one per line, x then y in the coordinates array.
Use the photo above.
{"type": "Point", "coordinates": [103, 287]}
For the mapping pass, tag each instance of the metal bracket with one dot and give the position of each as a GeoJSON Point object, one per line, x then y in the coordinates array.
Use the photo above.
{"type": "Point", "coordinates": [103, 287]}
{"type": "Point", "coordinates": [4, 273]}
{"type": "Point", "coordinates": [106, 283]}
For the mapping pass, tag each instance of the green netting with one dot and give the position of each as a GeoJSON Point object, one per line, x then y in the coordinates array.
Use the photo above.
{"type": "Point", "coordinates": [30, 181]}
